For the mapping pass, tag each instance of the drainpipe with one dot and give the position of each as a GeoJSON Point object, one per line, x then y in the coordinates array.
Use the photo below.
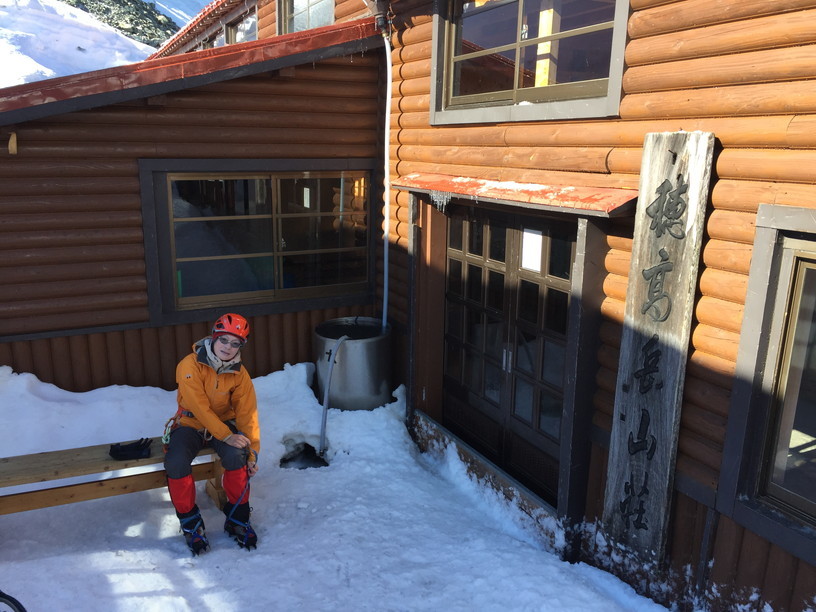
{"type": "Point", "coordinates": [378, 9]}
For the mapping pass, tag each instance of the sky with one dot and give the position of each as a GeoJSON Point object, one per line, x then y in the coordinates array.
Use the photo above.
{"type": "Point", "coordinates": [43, 39]}
{"type": "Point", "coordinates": [381, 528]}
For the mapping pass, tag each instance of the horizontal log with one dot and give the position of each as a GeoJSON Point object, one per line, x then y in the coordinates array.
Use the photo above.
{"type": "Point", "coordinates": [343, 9]}
{"type": "Point", "coordinates": [620, 242]}
{"type": "Point", "coordinates": [705, 451]}
{"type": "Point", "coordinates": [74, 220]}
{"type": "Point", "coordinates": [715, 341]}
{"type": "Point", "coordinates": [609, 357]}
{"type": "Point", "coordinates": [281, 104]}
{"type": "Point", "coordinates": [411, 120]}
{"type": "Point", "coordinates": [729, 256]}
{"type": "Point", "coordinates": [73, 288]}
{"type": "Point", "coordinates": [615, 286]}
{"type": "Point", "coordinates": [410, 104]}
{"type": "Point", "coordinates": [732, 226]}
{"type": "Point", "coordinates": [624, 160]}
{"type": "Point", "coordinates": [416, 34]}
{"type": "Point", "coordinates": [724, 285]}
{"type": "Point", "coordinates": [764, 66]}
{"type": "Point", "coordinates": [698, 13]}
{"type": "Point", "coordinates": [690, 467]}
{"type": "Point", "coordinates": [784, 30]}
{"type": "Point", "coordinates": [39, 204]}
{"type": "Point", "coordinates": [639, 5]}
{"type": "Point", "coordinates": [606, 379]}
{"type": "Point", "coordinates": [412, 70]}
{"type": "Point", "coordinates": [194, 134]}
{"type": "Point", "coordinates": [518, 175]}
{"type": "Point", "coordinates": [413, 53]}
{"type": "Point", "coordinates": [412, 87]}
{"type": "Point", "coordinates": [613, 309]}
{"type": "Point", "coordinates": [719, 313]}
{"type": "Point", "coordinates": [769, 165]}
{"type": "Point", "coordinates": [46, 255]}
{"type": "Point", "coordinates": [480, 136]}
{"type": "Point", "coordinates": [736, 100]}
{"type": "Point", "coordinates": [74, 237]}
{"type": "Point", "coordinates": [163, 116]}
{"type": "Point", "coordinates": [702, 422]}
{"type": "Point", "coordinates": [731, 131]}
{"type": "Point", "coordinates": [202, 149]}
{"type": "Point", "coordinates": [73, 271]}
{"type": "Point", "coordinates": [45, 185]}
{"type": "Point", "coordinates": [82, 303]}
{"type": "Point", "coordinates": [618, 262]}
{"type": "Point", "coordinates": [328, 82]}
{"type": "Point", "coordinates": [18, 168]}
{"type": "Point", "coordinates": [711, 368]}
{"type": "Point", "coordinates": [745, 196]}
{"type": "Point", "coordinates": [610, 334]}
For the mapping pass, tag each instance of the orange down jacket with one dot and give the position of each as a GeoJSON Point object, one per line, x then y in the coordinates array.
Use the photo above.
{"type": "Point", "coordinates": [212, 398]}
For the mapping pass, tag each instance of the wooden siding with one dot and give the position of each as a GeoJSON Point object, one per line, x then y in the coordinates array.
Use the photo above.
{"type": "Point", "coordinates": [742, 69]}
{"type": "Point", "coordinates": [73, 248]}
{"type": "Point", "coordinates": [267, 18]}
{"type": "Point", "coordinates": [148, 356]}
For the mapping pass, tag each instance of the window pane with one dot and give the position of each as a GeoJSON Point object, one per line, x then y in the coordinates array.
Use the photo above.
{"type": "Point", "coordinates": [325, 269]}
{"type": "Point", "coordinates": [484, 74]}
{"type": "Point", "coordinates": [314, 195]}
{"type": "Point", "coordinates": [220, 198]}
{"type": "Point", "coordinates": [455, 277]}
{"type": "Point", "coordinates": [560, 253]}
{"type": "Point", "coordinates": [553, 365]}
{"type": "Point", "coordinates": [322, 14]}
{"type": "Point", "coordinates": [549, 416]}
{"type": "Point", "coordinates": [532, 244]}
{"type": "Point", "coordinates": [794, 461]}
{"type": "Point", "coordinates": [474, 283]}
{"type": "Point", "coordinates": [528, 301]}
{"type": "Point", "coordinates": [493, 383]}
{"type": "Point", "coordinates": [313, 233]}
{"type": "Point", "coordinates": [495, 290]}
{"type": "Point", "coordinates": [475, 238]}
{"type": "Point", "coordinates": [523, 401]}
{"type": "Point", "coordinates": [224, 276]}
{"type": "Point", "coordinates": [526, 351]}
{"type": "Point", "coordinates": [494, 344]}
{"type": "Point", "coordinates": [485, 25]}
{"type": "Point", "coordinates": [246, 29]}
{"type": "Point", "coordinates": [556, 316]}
{"type": "Point", "coordinates": [453, 361]}
{"type": "Point", "coordinates": [473, 327]}
{"type": "Point", "coordinates": [222, 238]}
{"type": "Point", "coordinates": [455, 234]}
{"type": "Point", "coordinates": [454, 323]}
{"type": "Point", "coordinates": [498, 243]}
{"type": "Point", "coordinates": [473, 372]}
{"type": "Point", "coordinates": [567, 60]}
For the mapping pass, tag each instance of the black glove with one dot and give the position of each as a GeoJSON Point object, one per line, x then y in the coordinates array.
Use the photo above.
{"type": "Point", "coordinates": [133, 450]}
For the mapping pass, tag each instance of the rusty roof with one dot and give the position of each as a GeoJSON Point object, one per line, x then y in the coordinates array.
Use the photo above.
{"type": "Point", "coordinates": [176, 72]}
{"type": "Point", "coordinates": [595, 201]}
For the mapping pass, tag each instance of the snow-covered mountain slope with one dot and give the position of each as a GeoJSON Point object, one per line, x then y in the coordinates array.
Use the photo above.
{"type": "Point", "coordinates": [42, 39]}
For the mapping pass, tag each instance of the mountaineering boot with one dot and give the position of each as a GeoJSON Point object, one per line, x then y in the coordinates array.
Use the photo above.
{"type": "Point", "coordinates": [192, 526]}
{"type": "Point", "coordinates": [237, 525]}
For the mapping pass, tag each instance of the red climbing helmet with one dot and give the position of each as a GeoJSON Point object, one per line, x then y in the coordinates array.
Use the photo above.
{"type": "Point", "coordinates": [233, 324]}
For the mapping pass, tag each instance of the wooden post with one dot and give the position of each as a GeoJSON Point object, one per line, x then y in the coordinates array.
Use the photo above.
{"type": "Point", "coordinates": [674, 186]}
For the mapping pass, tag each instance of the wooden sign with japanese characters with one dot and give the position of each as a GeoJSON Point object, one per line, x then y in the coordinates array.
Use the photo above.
{"type": "Point", "coordinates": [674, 186]}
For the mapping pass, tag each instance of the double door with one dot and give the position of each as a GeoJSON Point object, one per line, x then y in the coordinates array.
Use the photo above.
{"type": "Point", "coordinates": [506, 329]}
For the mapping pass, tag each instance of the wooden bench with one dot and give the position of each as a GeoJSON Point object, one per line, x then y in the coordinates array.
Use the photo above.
{"type": "Point", "coordinates": [55, 465]}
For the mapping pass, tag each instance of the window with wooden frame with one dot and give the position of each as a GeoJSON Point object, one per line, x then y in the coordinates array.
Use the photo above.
{"type": "Point", "coordinates": [769, 462]}
{"type": "Point", "coordinates": [217, 238]}
{"type": "Point", "coordinates": [299, 15]}
{"type": "Point", "coordinates": [506, 60]}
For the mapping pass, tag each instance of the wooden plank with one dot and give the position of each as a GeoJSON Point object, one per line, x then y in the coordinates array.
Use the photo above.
{"type": "Point", "coordinates": [779, 579]}
{"type": "Point", "coordinates": [54, 465]}
{"type": "Point", "coordinates": [68, 494]}
{"type": "Point", "coordinates": [668, 234]}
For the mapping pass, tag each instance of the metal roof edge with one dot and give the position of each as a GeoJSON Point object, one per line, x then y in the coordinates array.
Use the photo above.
{"type": "Point", "coordinates": [603, 202]}
{"type": "Point", "coordinates": [163, 75]}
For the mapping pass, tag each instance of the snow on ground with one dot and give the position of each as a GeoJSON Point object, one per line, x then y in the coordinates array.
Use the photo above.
{"type": "Point", "coordinates": [43, 39]}
{"type": "Point", "coordinates": [381, 528]}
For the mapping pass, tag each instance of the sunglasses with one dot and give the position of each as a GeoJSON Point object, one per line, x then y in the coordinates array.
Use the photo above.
{"type": "Point", "coordinates": [233, 343]}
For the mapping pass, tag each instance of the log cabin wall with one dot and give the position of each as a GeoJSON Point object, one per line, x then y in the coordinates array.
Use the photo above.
{"type": "Point", "coordinates": [73, 251]}
{"type": "Point", "coordinates": [267, 18]}
{"type": "Point", "coordinates": [742, 69]}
